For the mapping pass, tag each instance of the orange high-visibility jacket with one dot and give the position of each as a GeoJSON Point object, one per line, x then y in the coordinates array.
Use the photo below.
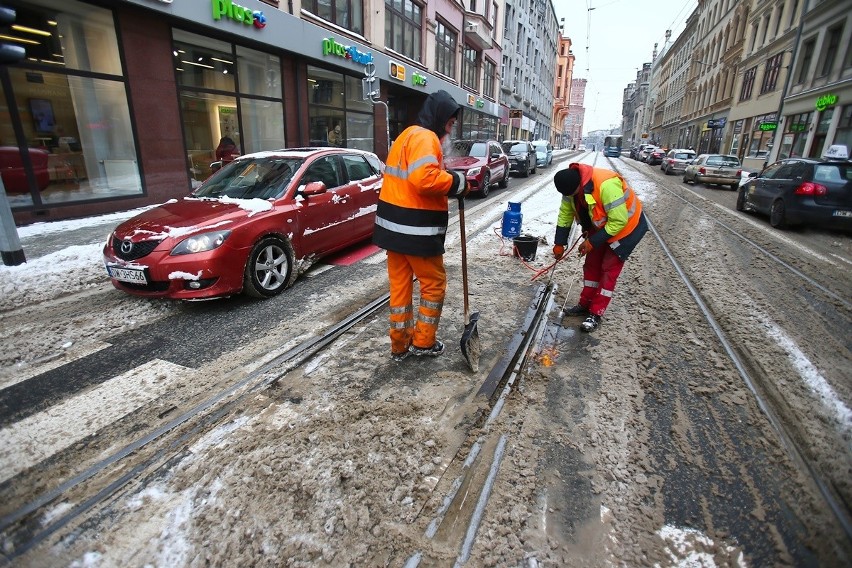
{"type": "Point", "coordinates": [411, 217]}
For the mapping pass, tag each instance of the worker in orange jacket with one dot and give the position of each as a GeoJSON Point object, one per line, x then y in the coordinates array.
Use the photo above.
{"type": "Point", "coordinates": [411, 225]}
{"type": "Point", "coordinates": [611, 216]}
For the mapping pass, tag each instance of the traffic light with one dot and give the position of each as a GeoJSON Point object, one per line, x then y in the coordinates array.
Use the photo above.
{"type": "Point", "coordinates": [9, 53]}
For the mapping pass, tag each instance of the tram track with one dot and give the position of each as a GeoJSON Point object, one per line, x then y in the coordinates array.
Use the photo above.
{"type": "Point", "coordinates": [142, 459]}
{"type": "Point", "coordinates": [773, 406]}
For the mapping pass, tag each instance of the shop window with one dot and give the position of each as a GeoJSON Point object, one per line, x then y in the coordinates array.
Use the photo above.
{"type": "Point", "coordinates": [338, 116]}
{"type": "Point", "coordinates": [69, 136]}
{"type": "Point", "coordinates": [259, 73]}
{"type": "Point", "coordinates": [821, 133]}
{"type": "Point", "coordinates": [226, 91]}
{"type": "Point", "coordinates": [844, 128]}
{"type": "Point", "coordinates": [203, 62]}
{"type": "Point", "coordinates": [67, 33]}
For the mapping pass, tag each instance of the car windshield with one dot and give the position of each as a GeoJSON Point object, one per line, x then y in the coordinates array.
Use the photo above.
{"type": "Point", "coordinates": [260, 178]}
{"type": "Point", "coordinates": [515, 148]}
{"type": "Point", "coordinates": [463, 148]}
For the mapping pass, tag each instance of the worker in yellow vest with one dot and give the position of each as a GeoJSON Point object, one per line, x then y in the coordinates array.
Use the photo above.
{"type": "Point", "coordinates": [613, 223]}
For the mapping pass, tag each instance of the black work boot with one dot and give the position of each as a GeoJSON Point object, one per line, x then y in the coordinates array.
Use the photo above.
{"type": "Point", "coordinates": [433, 351]}
{"type": "Point", "coordinates": [591, 324]}
{"type": "Point", "coordinates": [577, 310]}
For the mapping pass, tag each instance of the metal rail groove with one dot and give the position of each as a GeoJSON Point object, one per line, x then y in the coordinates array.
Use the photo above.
{"type": "Point", "coordinates": [262, 377]}
{"type": "Point", "coordinates": [787, 440]}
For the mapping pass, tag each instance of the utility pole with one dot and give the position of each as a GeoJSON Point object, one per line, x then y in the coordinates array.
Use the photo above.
{"type": "Point", "coordinates": [10, 244]}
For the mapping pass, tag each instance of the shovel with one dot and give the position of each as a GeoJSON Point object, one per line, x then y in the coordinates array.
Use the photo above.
{"type": "Point", "coordinates": [470, 346]}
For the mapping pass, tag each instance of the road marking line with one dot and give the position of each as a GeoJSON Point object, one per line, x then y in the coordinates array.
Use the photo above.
{"type": "Point", "coordinates": [38, 437]}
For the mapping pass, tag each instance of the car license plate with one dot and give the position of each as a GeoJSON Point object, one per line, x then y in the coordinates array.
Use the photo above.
{"type": "Point", "coordinates": [133, 275]}
{"type": "Point", "coordinates": [841, 213]}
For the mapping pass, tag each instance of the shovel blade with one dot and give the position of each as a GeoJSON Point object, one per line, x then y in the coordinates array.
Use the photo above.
{"type": "Point", "coordinates": [470, 345]}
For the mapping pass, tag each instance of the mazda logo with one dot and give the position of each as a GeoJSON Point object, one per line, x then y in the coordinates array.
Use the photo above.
{"type": "Point", "coordinates": [126, 247]}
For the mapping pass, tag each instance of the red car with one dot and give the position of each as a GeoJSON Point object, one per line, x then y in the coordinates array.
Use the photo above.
{"type": "Point", "coordinates": [253, 226]}
{"type": "Point", "coordinates": [483, 163]}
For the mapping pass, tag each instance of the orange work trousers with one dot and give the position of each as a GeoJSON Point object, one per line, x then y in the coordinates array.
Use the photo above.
{"type": "Point", "coordinates": [430, 272]}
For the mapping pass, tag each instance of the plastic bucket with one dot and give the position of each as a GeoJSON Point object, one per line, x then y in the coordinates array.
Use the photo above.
{"type": "Point", "coordinates": [525, 247]}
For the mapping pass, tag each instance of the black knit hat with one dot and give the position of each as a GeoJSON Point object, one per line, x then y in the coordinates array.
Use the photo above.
{"type": "Point", "coordinates": [567, 181]}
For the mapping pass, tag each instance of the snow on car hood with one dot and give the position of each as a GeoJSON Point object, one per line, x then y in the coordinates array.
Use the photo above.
{"type": "Point", "coordinates": [175, 219]}
{"type": "Point", "coordinates": [463, 162]}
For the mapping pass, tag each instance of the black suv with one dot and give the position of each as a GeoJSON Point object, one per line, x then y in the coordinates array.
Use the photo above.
{"type": "Point", "coordinates": [521, 156]}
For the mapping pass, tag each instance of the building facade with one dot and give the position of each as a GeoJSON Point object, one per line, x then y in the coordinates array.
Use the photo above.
{"type": "Point", "coordinates": [576, 113]}
{"type": "Point", "coordinates": [529, 52]}
{"type": "Point", "coordinates": [562, 93]}
{"type": "Point", "coordinates": [122, 104]}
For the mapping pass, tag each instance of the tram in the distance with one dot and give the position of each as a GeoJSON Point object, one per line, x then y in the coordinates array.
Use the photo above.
{"type": "Point", "coordinates": [612, 146]}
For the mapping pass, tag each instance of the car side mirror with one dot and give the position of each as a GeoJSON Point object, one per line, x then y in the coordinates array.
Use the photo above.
{"type": "Point", "coordinates": [313, 188]}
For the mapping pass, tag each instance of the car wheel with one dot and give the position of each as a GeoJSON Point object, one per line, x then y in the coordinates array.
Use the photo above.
{"type": "Point", "coordinates": [685, 179]}
{"type": "Point", "coordinates": [734, 186]}
{"type": "Point", "coordinates": [269, 268]}
{"type": "Point", "coordinates": [776, 214]}
{"type": "Point", "coordinates": [486, 185]}
{"type": "Point", "coordinates": [527, 170]}
{"type": "Point", "coordinates": [741, 200]}
{"type": "Point", "coordinates": [504, 183]}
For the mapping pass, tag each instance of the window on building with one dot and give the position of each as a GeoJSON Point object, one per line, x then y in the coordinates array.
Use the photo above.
{"type": "Point", "coordinates": [494, 16]}
{"type": "Point", "coordinates": [770, 77]}
{"type": "Point", "coordinates": [843, 134]}
{"type": "Point", "coordinates": [445, 50]}
{"type": "Point", "coordinates": [795, 135]}
{"type": "Point", "coordinates": [67, 135]}
{"type": "Point", "coordinates": [793, 13]}
{"type": "Point", "coordinates": [226, 91]}
{"type": "Point", "coordinates": [805, 61]}
{"type": "Point", "coordinates": [404, 27]}
{"type": "Point", "coordinates": [470, 68]}
{"type": "Point", "coordinates": [489, 69]}
{"type": "Point", "coordinates": [347, 14]}
{"type": "Point", "coordinates": [473, 5]}
{"type": "Point", "coordinates": [831, 48]}
{"type": "Point", "coordinates": [334, 99]}
{"type": "Point", "coordinates": [748, 84]}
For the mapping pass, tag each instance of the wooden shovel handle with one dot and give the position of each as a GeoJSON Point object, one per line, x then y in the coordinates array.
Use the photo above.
{"type": "Point", "coordinates": [463, 258]}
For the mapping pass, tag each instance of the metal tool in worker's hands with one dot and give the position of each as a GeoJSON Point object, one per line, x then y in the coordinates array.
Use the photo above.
{"type": "Point", "coordinates": [470, 344]}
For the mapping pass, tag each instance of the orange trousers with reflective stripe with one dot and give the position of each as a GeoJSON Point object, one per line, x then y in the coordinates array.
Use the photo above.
{"type": "Point", "coordinates": [430, 272]}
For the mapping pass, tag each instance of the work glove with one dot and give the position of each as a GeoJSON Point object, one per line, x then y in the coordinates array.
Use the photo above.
{"type": "Point", "coordinates": [585, 248]}
{"type": "Point", "coordinates": [558, 251]}
{"type": "Point", "coordinates": [466, 189]}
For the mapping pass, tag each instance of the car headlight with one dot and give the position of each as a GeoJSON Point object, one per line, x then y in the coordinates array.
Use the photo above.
{"type": "Point", "coordinates": [201, 242]}
{"type": "Point", "coordinates": [473, 172]}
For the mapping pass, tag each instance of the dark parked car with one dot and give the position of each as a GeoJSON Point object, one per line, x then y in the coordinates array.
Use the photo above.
{"type": "Point", "coordinates": [676, 161]}
{"type": "Point", "coordinates": [716, 169]}
{"type": "Point", "coordinates": [521, 156]}
{"type": "Point", "coordinates": [483, 163]}
{"type": "Point", "coordinates": [253, 226]}
{"type": "Point", "coordinates": [655, 157]}
{"type": "Point", "coordinates": [799, 190]}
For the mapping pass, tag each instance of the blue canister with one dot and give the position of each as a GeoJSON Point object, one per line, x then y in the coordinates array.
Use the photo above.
{"type": "Point", "coordinates": [512, 221]}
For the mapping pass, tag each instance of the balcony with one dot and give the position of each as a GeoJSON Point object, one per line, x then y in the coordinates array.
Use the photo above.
{"type": "Point", "coordinates": [477, 31]}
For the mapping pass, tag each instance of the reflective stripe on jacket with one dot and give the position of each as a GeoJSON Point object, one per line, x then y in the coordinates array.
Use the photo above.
{"type": "Point", "coordinates": [609, 204]}
{"type": "Point", "coordinates": [411, 217]}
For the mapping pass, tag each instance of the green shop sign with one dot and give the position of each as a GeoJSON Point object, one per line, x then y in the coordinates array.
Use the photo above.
{"type": "Point", "coordinates": [826, 101]}
{"type": "Point", "coordinates": [418, 80]}
{"type": "Point", "coordinates": [767, 126]}
{"type": "Point", "coordinates": [331, 47]}
{"type": "Point", "coordinates": [228, 9]}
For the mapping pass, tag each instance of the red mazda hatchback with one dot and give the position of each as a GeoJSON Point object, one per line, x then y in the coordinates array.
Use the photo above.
{"type": "Point", "coordinates": [251, 227]}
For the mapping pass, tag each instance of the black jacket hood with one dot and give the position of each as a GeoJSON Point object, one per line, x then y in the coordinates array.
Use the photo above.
{"type": "Point", "coordinates": [437, 109]}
